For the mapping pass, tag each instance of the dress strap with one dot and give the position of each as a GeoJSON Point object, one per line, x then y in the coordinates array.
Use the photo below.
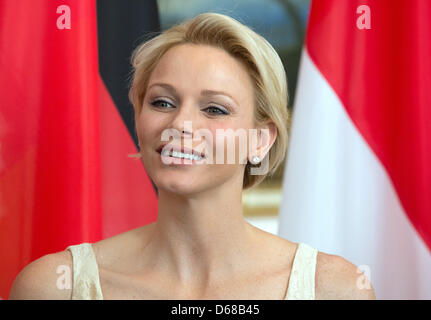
{"type": "Point", "coordinates": [303, 273]}
{"type": "Point", "coordinates": [86, 281]}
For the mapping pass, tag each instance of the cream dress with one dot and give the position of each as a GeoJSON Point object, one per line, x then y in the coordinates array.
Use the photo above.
{"type": "Point", "coordinates": [86, 282]}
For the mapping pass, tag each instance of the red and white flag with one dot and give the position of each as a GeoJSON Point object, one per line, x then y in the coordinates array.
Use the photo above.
{"type": "Point", "coordinates": [357, 181]}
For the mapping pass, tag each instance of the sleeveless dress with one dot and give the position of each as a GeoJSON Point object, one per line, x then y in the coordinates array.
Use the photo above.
{"type": "Point", "coordinates": [86, 281]}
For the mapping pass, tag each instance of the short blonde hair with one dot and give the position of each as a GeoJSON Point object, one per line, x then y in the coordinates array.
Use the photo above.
{"type": "Point", "coordinates": [263, 65]}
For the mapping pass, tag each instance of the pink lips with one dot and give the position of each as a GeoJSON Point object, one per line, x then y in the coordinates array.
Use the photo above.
{"type": "Point", "coordinates": [182, 149]}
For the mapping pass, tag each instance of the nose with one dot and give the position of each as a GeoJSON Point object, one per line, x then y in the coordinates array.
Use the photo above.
{"type": "Point", "coordinates": [185, 118]}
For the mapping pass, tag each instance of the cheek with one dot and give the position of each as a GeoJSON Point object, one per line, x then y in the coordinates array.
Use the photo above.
{"type": "Point", "coordinates": [232, 141]}
{"type": "Point", "coordinates": [146, 125]}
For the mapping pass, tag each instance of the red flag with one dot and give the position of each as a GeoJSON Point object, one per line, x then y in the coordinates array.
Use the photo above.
{"type": "Point", "coordinates": [65, 177]}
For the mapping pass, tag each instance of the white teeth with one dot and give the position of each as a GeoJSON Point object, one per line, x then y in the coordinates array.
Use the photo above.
{"type": "Point", "coordinates": [176, 154]}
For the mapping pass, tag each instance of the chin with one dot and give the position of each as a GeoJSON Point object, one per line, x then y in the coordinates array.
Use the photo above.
{"type": "Point", "coordinates": [180, 190]}
{"type": "Point", "coordinates": [174, 183]}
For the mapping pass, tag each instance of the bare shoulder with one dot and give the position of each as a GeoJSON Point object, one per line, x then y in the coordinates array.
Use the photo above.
{"type": "Point", "coordinates": [47, 278]}
{"type": "Point", "coordinates": [118, 249]}
{"type": "Point", "coordinates": [339, 279]}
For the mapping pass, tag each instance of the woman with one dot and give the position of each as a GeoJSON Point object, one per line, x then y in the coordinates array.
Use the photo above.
{"type": "Point", "coordinates": [208, 74]}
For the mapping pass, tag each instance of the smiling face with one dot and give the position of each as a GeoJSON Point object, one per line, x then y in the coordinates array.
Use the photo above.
{"type": "Point", "coordinates": [209, 89]}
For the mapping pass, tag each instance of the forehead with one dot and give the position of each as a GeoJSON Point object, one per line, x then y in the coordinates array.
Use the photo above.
{"type": "Point", "coordinates": [203, 67]}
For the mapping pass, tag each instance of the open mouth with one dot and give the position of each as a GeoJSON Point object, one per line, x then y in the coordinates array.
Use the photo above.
{"type": "Point", "coordinates": [180, 152]}
{"type": "Point", "coordinates": [180, 155]}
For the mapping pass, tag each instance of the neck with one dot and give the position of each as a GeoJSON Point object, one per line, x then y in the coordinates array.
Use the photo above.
{"type": "Point", "coordinates": [203, 238]}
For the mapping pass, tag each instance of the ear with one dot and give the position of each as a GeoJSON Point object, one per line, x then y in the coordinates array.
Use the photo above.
{"type": "Point", "coordinates": [266, 135]}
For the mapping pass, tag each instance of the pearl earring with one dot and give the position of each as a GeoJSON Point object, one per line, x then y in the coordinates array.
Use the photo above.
{"type": "Point", "coordinates": [256, 159]}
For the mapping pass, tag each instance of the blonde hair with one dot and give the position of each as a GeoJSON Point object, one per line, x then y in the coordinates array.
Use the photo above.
{"type": "Point", "coordinates": [263, 65]}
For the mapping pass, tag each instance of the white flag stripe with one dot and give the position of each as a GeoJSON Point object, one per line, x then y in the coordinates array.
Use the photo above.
{"type": "Point", "coordinates": [338, 197]}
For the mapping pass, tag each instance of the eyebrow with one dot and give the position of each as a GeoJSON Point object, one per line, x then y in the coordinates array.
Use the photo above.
{"type": "Point", "coordinates": [203, 92]}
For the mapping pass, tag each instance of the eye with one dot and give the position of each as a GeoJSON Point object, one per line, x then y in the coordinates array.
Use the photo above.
{"type": "Point", "coordinates": [157, 103]}
{"type": "Point", "coordinates": [215, 110]}
{"type": "Point", "coordinates": [218, 111]}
